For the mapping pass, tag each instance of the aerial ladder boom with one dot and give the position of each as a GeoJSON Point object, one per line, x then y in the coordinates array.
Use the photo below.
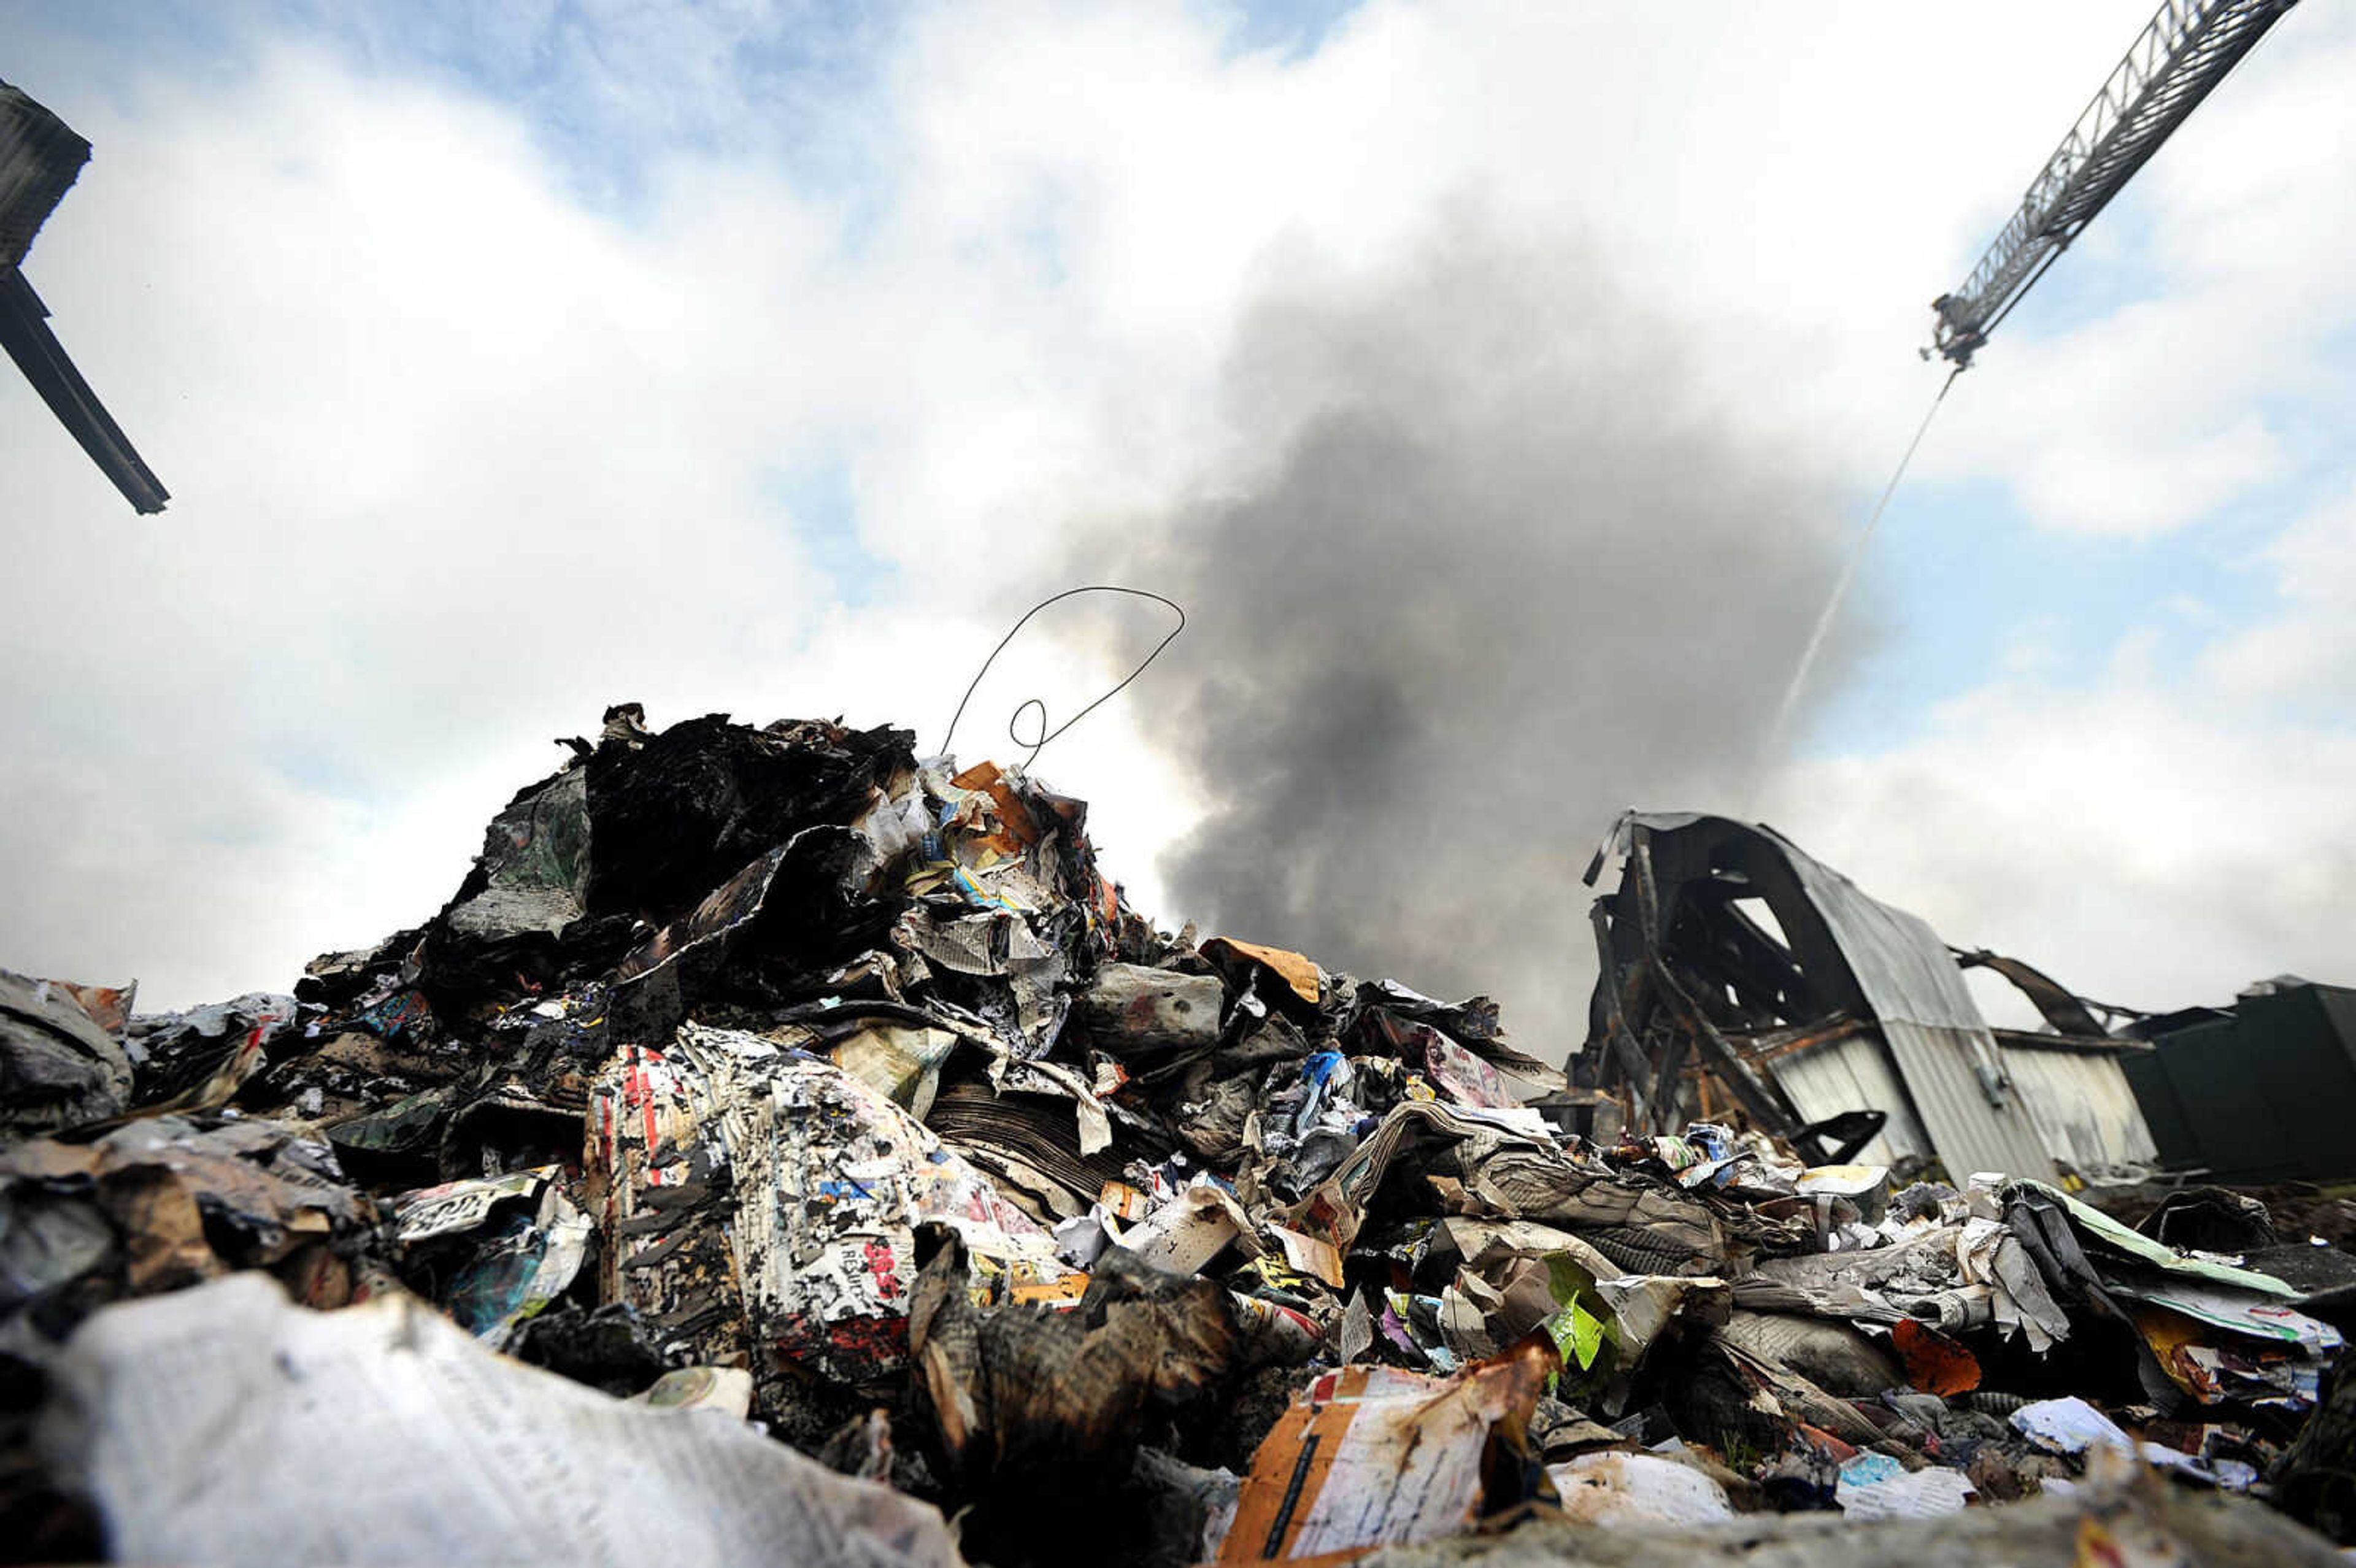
{"type": "Point", "coordinates": [2185, 51]}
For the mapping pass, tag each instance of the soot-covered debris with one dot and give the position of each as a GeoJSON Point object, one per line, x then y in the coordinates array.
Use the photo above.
{"type": "Point", "coordinates": [781, 1146]}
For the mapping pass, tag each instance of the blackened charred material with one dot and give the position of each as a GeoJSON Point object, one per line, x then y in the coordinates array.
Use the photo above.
{"type": "Point", "coordinates": [1039, 1414]}
{"type": "Point", "coordinates": [58, 1067]}
{"type": "Point", "coordinates": [676, 817]}
{"type": "Point", "coordinates": [610, 1347]}
{"type": "Point", "coordinates": [2070, 1014]}
{"type": "Point", "coordinates": [1026, 1393]}
{"type": "Point", "coordinates": [39, 159]}
{"type": "Point", "coordinates": [2315, 1480]}
{"type": "Point", "coordinates": [165, 1201]}
{"type": "Point", "coordinates": [585, 867]}
{"type": "Point", "coordinates": [1684, 966]}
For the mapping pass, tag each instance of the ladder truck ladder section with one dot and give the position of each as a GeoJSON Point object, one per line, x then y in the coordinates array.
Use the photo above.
{"type": "Point", "coordinates": [2185, 51]}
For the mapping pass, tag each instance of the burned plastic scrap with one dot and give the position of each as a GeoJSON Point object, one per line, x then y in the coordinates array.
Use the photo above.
{"type": "Point", "coordinates": [58, 1068]}
{"type": "Point", "coordinates": [533, 874]}
{"type": "Point", "coordinates": [637, 836]}
{"type": "Point", "coordinates": [197, 1059]}
{"type": "Point", "coordinates": [607, 1348]}
{"type": "Point", "coordinates": [2211, 1218]}
{"type": "Point", "coordinates": [165, 1202]}
{"type": "Point", "coordinates": [1022, 1394]}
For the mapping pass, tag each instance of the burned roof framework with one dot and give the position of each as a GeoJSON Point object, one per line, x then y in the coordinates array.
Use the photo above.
{"type": "Point", "coordinates": [1736, 993]}
{"type": "Point", "coordinates": [1724, 949]}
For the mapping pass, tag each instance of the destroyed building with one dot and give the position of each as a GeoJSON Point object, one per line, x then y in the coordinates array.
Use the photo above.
{"type": "Point", "coordinates": [784, 1147]}
{"type": "Point", "coordinates": [1737, 973]}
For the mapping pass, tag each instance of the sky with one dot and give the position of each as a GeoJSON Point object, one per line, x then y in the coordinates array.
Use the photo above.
{"type": "Point", "coordinates": [1500, 386]}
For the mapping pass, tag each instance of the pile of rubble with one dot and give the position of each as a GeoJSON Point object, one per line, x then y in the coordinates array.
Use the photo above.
{"type": "Point", "coordinates": [781, 1146]}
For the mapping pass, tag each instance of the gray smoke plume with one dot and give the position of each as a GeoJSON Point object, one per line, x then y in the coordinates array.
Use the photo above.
{"type": "Point", "coordinates": [1486, 569]}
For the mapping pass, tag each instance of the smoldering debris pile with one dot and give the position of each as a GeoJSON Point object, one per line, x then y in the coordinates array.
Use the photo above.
{"type": "Point", "coordinates": [781, 1146]}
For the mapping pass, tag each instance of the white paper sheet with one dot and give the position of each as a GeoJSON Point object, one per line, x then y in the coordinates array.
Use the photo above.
{"type": "Point", "coordinates": [1875, 1486]}
{"type": "Point", "coordinates": [2069, 1425]}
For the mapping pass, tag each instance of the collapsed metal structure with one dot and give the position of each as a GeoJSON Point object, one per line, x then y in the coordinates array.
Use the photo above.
{"type": "Point", "coordinates": [1739, 977]}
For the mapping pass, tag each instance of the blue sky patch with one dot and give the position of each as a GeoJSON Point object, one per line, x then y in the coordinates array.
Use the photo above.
{"type": "Point", "coordinates": [817, 496]}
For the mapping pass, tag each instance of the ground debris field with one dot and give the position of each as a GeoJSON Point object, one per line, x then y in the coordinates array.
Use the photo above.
{"type": "Point", "coordinates": [782, 1148]}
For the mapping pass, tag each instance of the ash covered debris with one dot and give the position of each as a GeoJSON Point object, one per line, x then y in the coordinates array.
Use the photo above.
{"type": "Point", "coordinates": [781, 1146]}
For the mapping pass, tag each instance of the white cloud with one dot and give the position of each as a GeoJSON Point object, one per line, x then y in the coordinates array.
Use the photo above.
{"type": "Point", "coordinates": [2205, 383]}
{"type": "Point", "coordinates": [2165, 829]}
{"type": "Point", "coordinates": [457, 459]}
{"type": "Point", "coordinates": [2306, 653]}
{"type": "Point", "coordinates": [2146, 849]}
{"type": "Point", "coordinates": [2158, 831]}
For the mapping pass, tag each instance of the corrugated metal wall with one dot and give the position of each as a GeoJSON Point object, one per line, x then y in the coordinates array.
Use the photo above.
{"type": "Point", "coordinates": [1934, 1028]}
{"type": "Point", "coordinates": [2080, 1103]}
{"type": "Point", "coordinates": [2082, 1106]}
{"type": "Point", "coordinates": [1973, 1132]}
{"type": "Point", "coordinates": [1853, 1074]}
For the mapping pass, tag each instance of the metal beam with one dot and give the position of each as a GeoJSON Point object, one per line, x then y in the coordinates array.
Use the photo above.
{"type": "Point", "coordinates": [2185, 50]}
{"type": "Point", "coordinates": [39, 159]}
{"type": "Point", "coordinates": [26, 337]}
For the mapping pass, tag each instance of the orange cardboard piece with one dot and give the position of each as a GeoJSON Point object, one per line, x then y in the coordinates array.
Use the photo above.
{"type": "Point", "coordinates": [2170, 1335]}
{"type": "Point", "coordinates": [1019, 829]}
{"type": "Point", "coordinates": [1372, 1456]}
{"type": "Point", "coordinates": [1293, 968]}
